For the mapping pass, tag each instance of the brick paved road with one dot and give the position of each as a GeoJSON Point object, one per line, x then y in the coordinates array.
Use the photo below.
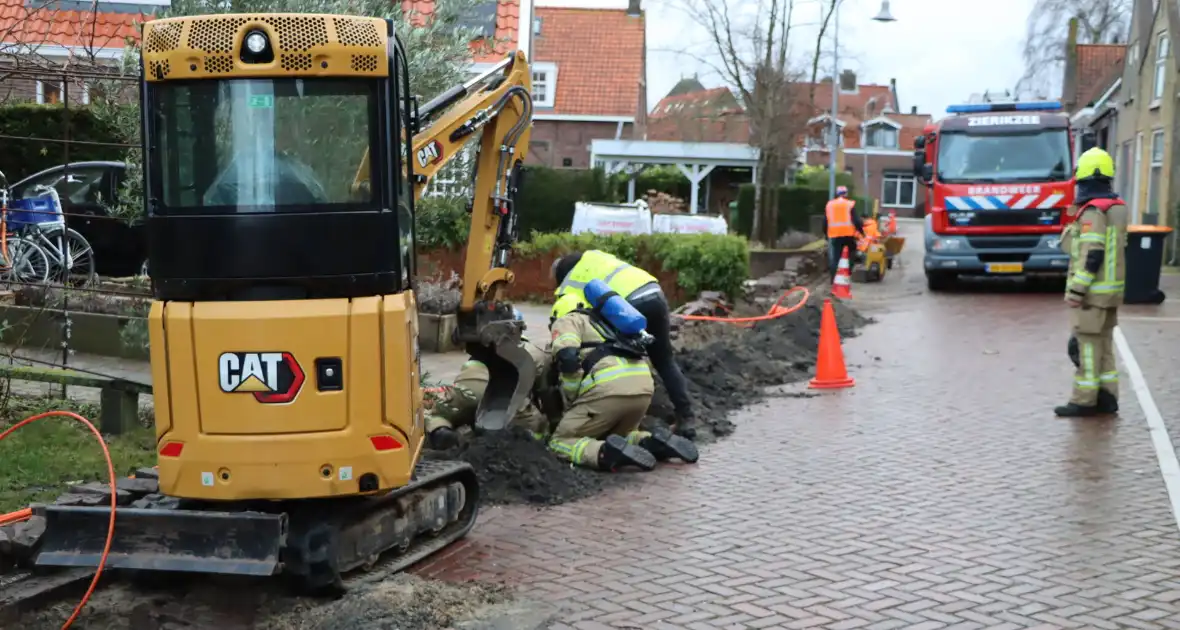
{"type": "Point", "coordinates": [940, 492]}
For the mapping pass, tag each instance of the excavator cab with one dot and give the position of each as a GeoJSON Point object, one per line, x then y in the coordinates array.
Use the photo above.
{"type": "Point", "coordinates": [282, 156]}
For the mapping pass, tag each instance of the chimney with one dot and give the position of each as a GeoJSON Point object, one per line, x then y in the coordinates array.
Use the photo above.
{"type": "Point", "coordinates": [914, 109]}
{"type": "Point", "coordinates": [1069, 83]}
{"type": "Point", "coordinates": [893, 93]}
{"type": "Point", "coordinates": [633, 8]}
{"type": "Point", "coordinates": [848, 81]}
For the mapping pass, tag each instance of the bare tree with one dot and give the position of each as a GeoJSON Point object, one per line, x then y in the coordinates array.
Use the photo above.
{"type": "Point", "coordinates": [1099, 22]}
{"type": "Point", "coordinates": [750, 44]}
{"type": "Point", "coordinates": [827, 10]}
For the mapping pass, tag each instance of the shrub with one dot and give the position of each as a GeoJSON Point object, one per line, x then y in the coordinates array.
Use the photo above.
{"type": "Point", "coordinates": [702, 262]}
{"type": "Point", "coordinates": [441, 222]}
{"type": "Point", "coordinates": [546, 199]}
{"type": "Point", "coordinates": [22, 158]}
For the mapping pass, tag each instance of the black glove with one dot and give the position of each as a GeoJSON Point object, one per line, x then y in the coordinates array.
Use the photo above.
{"type": "Point", "coordinates": [567, 360]}
{"type": "Point", "coordinates": [1074, 353]}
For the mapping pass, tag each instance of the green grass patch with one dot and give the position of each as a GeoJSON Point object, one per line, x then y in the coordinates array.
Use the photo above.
{"type": "Point", "coordinates": [39, 459]}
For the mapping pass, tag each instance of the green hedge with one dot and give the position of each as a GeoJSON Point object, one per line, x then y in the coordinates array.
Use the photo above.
{"type": "Point", "coordinates": [702, 262]}
{"type": "Point", "coordinates": [795, 208]}
{"type": "Point", "coordinates": [547, 196]}
{"type": "Point", "coordinates": [21, 158]}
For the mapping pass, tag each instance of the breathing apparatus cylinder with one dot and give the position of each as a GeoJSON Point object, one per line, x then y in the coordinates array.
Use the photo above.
{"type": "Point", "coordinates": [617, 311]}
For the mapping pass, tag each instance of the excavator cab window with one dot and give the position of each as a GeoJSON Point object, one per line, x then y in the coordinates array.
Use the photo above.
{"type": "Point", "coordinates": [251, 186]}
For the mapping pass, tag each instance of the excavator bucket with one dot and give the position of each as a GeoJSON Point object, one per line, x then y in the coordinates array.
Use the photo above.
{"type": "Point", "coordinates": [511, 373]}
{"type": "Point", "coordinates": [237, 543]}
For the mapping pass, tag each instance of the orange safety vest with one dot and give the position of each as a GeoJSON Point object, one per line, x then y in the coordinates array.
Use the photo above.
{"type": "Point", "coordinates": [839, 213]}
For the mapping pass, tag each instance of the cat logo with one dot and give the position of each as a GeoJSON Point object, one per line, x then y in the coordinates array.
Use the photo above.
{"type": "Point", "coordinates": [430, 154]}
{"type": "Point", "coordinates": [272, 377]}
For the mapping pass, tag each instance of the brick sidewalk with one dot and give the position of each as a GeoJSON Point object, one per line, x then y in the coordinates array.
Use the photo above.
{"type": "Point", "coordinates": [940, 492]}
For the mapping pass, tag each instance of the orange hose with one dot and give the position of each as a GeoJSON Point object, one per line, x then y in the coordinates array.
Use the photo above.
{"type": "Point", "coordinates": [15, 517]}
{"type": "Point", "coordinates": [106, 453]}
{"type": "Point", "coordinates": [776, 311]}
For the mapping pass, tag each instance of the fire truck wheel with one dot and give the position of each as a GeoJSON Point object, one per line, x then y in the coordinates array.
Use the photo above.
{"type": "Point", "coordinates": [939, 280]}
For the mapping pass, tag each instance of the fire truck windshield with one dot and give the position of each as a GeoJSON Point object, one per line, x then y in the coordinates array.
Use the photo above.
{"type": "Point", "coordinates": [1038, 156]}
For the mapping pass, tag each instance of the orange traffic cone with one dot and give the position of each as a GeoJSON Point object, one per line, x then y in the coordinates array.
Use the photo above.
{"type": "Point", "coordinates": [842, 283]}
{"type": "Point", "coordinates": [893, 221]}
{"type": "Point", "coordinates": [830, 372]}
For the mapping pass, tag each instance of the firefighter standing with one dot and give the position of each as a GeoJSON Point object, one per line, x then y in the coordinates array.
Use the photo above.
{"type": "Point", "coordinates": [641, 290]}
{"type": "Point", "coordinates": [605, 399]}
{"type": "Point", "coordinates": [841, 224]}
{"type": "Point", "coordinates": [1095, 242]}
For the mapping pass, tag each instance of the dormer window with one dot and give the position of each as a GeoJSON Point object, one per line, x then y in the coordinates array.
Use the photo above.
{"type": "Point", "coordinates": [881, 135]}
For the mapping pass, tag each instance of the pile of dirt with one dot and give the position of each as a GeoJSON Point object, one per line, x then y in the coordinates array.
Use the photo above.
{"type": "Point", "coordinates": [513, 467]}
{"type": "Point", "coordinates": [379, 600]}
{"type": "Point", "coordinates": [727, 367]}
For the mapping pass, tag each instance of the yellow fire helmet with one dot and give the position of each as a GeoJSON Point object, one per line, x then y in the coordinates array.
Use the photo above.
{"type": "Point", "coordinates": [1095, 163]}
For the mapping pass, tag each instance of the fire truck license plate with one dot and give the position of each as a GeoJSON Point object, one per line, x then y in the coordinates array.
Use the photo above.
{"type": "Point", "coordinates": [1005, 267]}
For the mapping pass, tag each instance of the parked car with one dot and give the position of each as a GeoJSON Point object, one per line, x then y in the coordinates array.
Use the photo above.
{"type": "Point", "coordinates": [120, 248]}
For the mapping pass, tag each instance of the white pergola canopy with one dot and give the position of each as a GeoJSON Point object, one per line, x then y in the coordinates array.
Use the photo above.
{"type": "Point", "coordinates": [695, 159]}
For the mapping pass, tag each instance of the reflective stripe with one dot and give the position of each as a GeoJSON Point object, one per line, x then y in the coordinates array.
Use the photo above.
{"type": "Point", "coordinates": [1090, 237]}
{"type": "Point", "coordinates": [1109, 377]}
{"type": "Point", "coordinates": [1111, 260]}
{"type": "Point", "coordinates": [579, 450]}
{"type": "Point", "coordinates": [472, 363]}
{"type": "Point", "coordinates": [635, 437]}
{"type": "Point", "coordinates": [1087, 367]}
{"type": "Point", "coordinates": [1082, 277]}
{"type": "Point", "coordinates": [623, 370]}
{"type": "Point", "coordinates": [567, 337]}
{"type": "Point", "coordinates": [538, 436]}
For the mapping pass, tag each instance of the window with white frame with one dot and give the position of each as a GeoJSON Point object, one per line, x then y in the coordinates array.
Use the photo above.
{"type": "Point", "coordinates": [1157, 168]}
{"type": "Point", "coordinates": [544, 84]}
{"type": "Point", "coordinates": [49, 93]}
{"type": "Point", "coordinates": [881, 136]}
{"type": "Point", "coordinates": [1161, 62]}
{"type": "Point", "coordinates": [454, 178]}
{"type": "Point", "coordinates": [898, 190]}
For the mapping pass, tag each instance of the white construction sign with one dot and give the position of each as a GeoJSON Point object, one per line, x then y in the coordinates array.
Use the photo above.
{"type": "Point", "coordinates": [609, 218]}
{"type": "Point", "coordinates": [688, 224]}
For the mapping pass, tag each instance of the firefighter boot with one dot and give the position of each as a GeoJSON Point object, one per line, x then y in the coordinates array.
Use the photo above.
{"type": "Point", "coordinates": [1072, 410]}
{"type": "Point", "coordinates": [686, 426]}
{"type": "Point", "coordinates": [616, 453]}
{"type": "Point", "coordinates": [444, 438]}
{"type": "Point", "coordinates": [665, 445]}
{"type": "Point", "coordinates": [1107, 402]}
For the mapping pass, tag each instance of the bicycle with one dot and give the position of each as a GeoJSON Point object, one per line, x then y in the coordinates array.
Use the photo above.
{"type": "Point", "coordinates": [71, 258]}
{"type": "Point", "coordinates": [21, 260]}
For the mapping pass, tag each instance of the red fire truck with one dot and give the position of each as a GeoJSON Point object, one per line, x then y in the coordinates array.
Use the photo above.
{"type": "Point", "coordinates": [998, 179]}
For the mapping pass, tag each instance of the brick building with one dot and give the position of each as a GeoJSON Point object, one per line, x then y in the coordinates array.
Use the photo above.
{"type": "Point", "coordinates": [589, 81]}
{"type": "Point", "coordinates": [37, 37]}
{"type": "Point", "coordinates": [876, 138]}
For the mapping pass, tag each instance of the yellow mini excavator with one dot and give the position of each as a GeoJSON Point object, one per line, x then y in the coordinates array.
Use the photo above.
{"type": "Point", "coordinates": [280, 186]}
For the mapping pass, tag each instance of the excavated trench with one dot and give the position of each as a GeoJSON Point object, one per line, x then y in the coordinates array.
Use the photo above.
{"type": "Point", "coordinates": [727, 367]}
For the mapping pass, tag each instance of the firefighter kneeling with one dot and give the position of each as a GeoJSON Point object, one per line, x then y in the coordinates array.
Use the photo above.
{"type": "Point", "coordinates": [1095, 242]}
{"type": "Point", "coordinates": [460, 402]}
{"type": "Point", "coordinates": [607, 385]}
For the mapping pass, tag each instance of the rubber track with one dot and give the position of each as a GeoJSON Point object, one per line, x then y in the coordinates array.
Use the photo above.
{"type": "Point", "coordinates": [22, 589]}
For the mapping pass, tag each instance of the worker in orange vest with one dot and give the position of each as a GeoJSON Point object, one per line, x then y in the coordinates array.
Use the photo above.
{"type": "Point", "coordinates": [841, 224]}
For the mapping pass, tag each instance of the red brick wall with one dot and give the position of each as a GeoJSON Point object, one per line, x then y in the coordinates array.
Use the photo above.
{"type": "Point", "coordinates": [532, 275]}
{"type": "Point", "coordinates": [554, 140]}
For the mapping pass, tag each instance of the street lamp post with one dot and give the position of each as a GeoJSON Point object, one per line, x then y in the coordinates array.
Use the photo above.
{"type": "Point", "coordinates": [864, 144]}
{"type": "Point", "coordinates": [883, 16]}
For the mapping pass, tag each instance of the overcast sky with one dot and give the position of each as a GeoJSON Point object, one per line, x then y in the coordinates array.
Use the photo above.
{"type": "Point", "coordinates": [940, 51]}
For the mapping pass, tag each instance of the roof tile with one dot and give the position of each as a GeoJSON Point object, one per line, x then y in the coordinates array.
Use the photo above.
{"type": "Point", "coordinates": [507, 27]}
{"type": "Point", "coordinates": [1098, 65]}
{"type": "Point", "coordinates": [36, 26]}
{"type": "Point", "coordinates": [599, 55]}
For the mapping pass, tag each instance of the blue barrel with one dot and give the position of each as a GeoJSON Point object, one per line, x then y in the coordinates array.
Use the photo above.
{"type": "Point", "coordinates": [615, 310]}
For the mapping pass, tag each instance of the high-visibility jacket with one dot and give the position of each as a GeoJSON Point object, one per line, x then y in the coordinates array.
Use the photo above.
{"type": "Point", "coordinates": [870, 226]}
{"type": "Point", "coordinates": [839, 214]}
{"type": "Point", "coordinates": [610, 375]}
{"type": "Point", "coordinates": [623, 278]}
{"type": "Point", "coordinates": [1098, 233]}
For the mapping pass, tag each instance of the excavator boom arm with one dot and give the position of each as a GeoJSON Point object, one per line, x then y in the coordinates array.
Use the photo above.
{"type": "Point", "coordinates": [498, 106]}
